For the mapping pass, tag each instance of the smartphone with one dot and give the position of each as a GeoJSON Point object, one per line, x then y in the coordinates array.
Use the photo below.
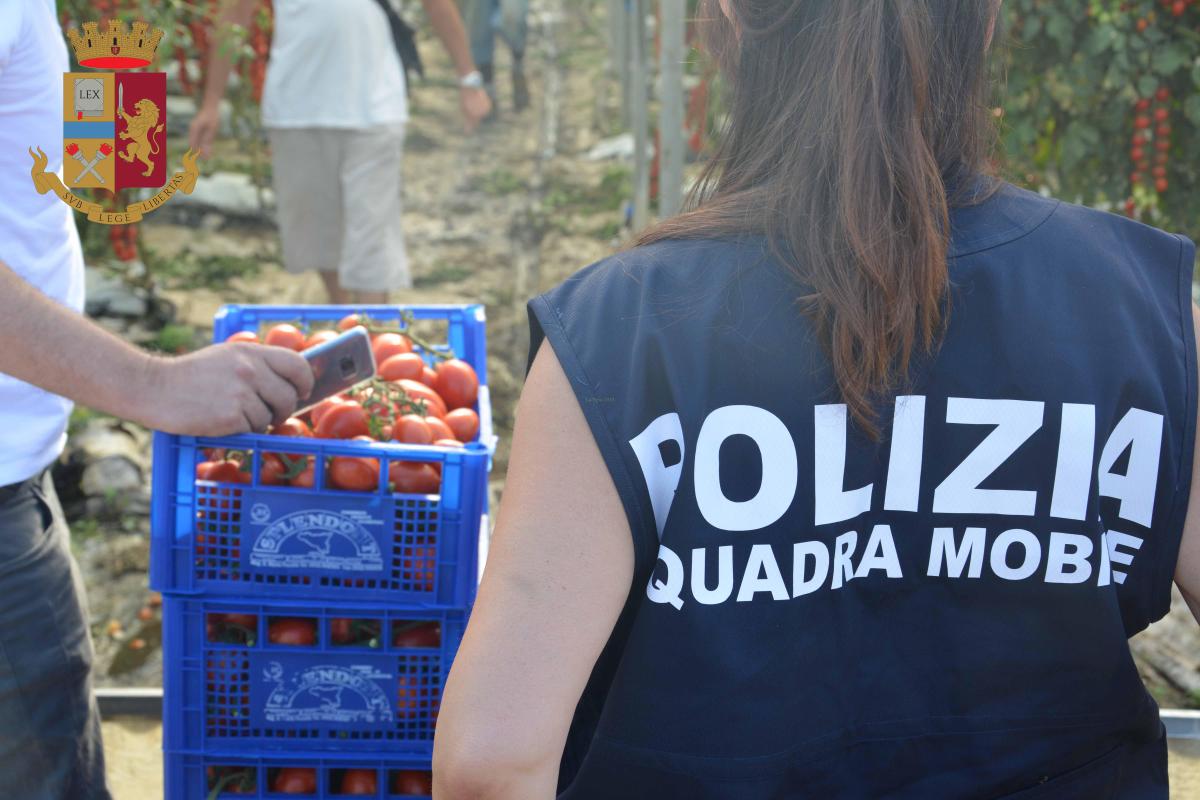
{"type": "Point", "coordinates": [339, 364]}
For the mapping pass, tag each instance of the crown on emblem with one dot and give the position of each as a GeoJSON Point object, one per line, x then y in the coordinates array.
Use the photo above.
{"type": "Point", "coordinates": [116, 48]}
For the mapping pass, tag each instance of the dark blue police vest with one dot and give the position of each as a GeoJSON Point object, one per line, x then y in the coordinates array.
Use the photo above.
{"type": "Point", "coordinates": [940, 614]}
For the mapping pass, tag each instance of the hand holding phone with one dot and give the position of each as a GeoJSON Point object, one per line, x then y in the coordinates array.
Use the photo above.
{"type": "Point", "coordinates": [339, 364]}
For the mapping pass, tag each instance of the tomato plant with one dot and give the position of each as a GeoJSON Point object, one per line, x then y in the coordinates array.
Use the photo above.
{"type": "Point", "coordinates": [1094, 92]}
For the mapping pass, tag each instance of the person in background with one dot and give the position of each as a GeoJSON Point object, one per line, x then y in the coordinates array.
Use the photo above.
{"type": "Point", "coordinates": [507, 19]}
{"type": "Point", "coordinates": [854, 480]}
{"type": "Point", "coordinates": [50, 356]}
{"type": "Point", "coordinates": [334, 106]}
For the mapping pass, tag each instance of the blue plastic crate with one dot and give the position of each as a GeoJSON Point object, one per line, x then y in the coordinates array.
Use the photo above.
{"type": "Point", "coordinates": [250, 540]}
{"type": "Point", "coordinates": [465, 334]}
{"type": "Point", "coordinates": [465, 324]}
{"type": "Point", "coordinates": [192, 776]}
{"type": "Point", "coordinates": [227, 686]}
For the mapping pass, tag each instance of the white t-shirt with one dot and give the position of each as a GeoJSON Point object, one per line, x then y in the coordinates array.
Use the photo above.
{"type": "Point", "coordinates": [37, 234]}
{"type": "Point", "coordinates": [333, 65]}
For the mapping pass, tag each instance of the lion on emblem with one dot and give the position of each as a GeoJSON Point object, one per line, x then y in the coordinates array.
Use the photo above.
{"type": "Point", "coordinates": [141, 128]}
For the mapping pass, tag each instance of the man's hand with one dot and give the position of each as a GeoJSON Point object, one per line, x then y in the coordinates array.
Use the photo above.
{"type": "Point", "coordinates": [475, 106]}
{"type": "Point", "coordinates": [224, 389]}
{"type": "Point", "coordinates": [203, 130]}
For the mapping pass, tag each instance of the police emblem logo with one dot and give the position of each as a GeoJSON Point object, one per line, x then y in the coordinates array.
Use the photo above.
{"type": "Point", "coordinates": [114, 125]}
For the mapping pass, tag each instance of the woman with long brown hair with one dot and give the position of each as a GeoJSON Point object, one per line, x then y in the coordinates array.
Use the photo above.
{"type": "Point", "coordinates": [853, 480]}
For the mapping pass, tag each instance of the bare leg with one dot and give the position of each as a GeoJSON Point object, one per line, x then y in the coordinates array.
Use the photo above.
{"type": "Point", "coordinates": [337, 295]}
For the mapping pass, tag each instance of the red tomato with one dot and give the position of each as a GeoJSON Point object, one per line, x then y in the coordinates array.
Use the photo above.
{"type": "Point", "coordinates": [340, 630]}
{"type": "Point", "coordinates": [320, 337]}
{"type": "Point", "coordinates": [386, 345]}
{"type": "Point", "coordinates": [227, 471]}
{"type": "Point", "coordinates": [403, 365]}
{"type": "Point", "coordinates": [418, 391]}
{"type": "Point", "coordinates": [292, 426]}
{"type": "Point", "coordinates": [307, 478]}
{"type": "Point", "coordinates": [412, 782]}
{"type": "Point", "coordinates": [449, 443]}
{"type": "Point", "coordinates": [413, 477]}
{"type": "Point", "coordinates": [420, 569]}
{"type": "Point", "coordinates": [354, 473]}
{"type": "Point", "coordinates": [417, 634]}
{"type": "Point", "coordinates": [359, 781]}
{"type": "Point", "coordinates": [285, 335]}
{"type": "Point", "coordinates": [244, 336]}
{"type": "Point", "coordinates": [412, 429]}
{"type": "Point", "coordinates": [439, 427]}
{"type": "Point", "coordinates": [351, 320]}
{"type": "Point", "coordinates": [429, 378]}
{"type": "Point", "coordinates": [320, 408]}
{"type": "Point", "coordinates": [293, 632]}
{"type": "Point", "coordinates": [295, 780]}
{"type": "Point", "coordinates": [457, 383]}
{"type": "Point", "coordinates": [344, 420]}
{"type": "Point", "coordinates": [408, 696]}
{"type": "Point", "coordinates": [247, 621]}
{"type": "Point", "coordinates": [465, 424]}
{"type": "Point", "coordinates": [271, 471]}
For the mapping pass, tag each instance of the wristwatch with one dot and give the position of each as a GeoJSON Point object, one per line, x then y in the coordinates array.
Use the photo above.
{"type": "Point", "coordinates": [472, 80]}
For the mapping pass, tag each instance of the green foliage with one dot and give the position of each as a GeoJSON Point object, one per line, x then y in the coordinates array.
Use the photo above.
{"type": "Point", "coordinates": [562, 194]}
{"type": "Point", "coordinates": [190, 270]}
{"type": "Point", "coordinates": [501, 181]}
{"type": "Point", "coordinates": [1074, 72]}
{"type": "Point", "coordinates": [173, 338]}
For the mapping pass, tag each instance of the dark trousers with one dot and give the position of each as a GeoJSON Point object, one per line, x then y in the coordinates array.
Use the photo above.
{"type": "Point", "coordinates": [50, 746]}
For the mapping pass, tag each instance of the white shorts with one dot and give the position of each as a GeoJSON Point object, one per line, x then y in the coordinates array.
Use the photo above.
{"type": "Point", "coordinates": [337, 193]}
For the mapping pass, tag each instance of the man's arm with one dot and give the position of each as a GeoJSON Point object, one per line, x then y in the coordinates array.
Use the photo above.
{"type": "Point", "coordinates": [225, 389]}
{"type": "Point", "coordinates": [448, 25]}
{"type": "Point", "coordinates": [205, 125]}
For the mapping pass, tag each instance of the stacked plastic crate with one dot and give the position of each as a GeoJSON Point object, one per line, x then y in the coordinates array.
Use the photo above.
{"type": "Point", "coordinates": [308, 630]}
